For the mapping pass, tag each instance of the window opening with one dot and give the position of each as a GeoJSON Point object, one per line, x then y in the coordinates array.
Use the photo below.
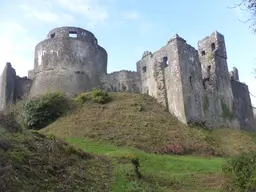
{"type": "Point", "coordinates": [213, 46]}
{"type": "Point", "coordinates": [52, 35]}
{"type": "Point", "coordinates": [166, 61]}
{"type": "Point", "coordinates": [73, 34]}
{"type": "Point", "coordinates": [190, 81]}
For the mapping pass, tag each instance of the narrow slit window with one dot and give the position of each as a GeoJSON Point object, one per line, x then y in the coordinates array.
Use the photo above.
{"type": "Point", "coordinates": [190, 81]}
{"type": "Point", "coordinates": [73, 34]}
{"type": "Point", "coordinates": [166, 61]}
{"type": "Point", "coordinates": [213, 46]}
{"type": "Point", "coordinates": [209, 71]}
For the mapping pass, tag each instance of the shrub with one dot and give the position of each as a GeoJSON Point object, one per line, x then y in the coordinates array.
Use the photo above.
{"type": "Point", "coordinates": [135, 162]}
{"type": "Point", "coordinates": [9, 123]}
{"type": "Point", "coordinates": [240, 173]}
{"type": "Point", "coordinates": [42, 111]}
{"type": "Point", "coordinates": [100, 96]}
{"type": "Point", "coordinates": [5, 145]}
{"type": "Point", "coordinates": [83, 97]}
{"type": "Point", "coordinates": [97, 96]}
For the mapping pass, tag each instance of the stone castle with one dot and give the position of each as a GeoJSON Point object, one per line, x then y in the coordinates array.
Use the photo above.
{"type": "Point", "coordinates": [194, 85]}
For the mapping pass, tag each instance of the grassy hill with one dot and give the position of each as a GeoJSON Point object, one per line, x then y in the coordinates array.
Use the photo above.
{"type": "Point", "coordinates": [31, 161]}
{"type": "Point", "coordinates": [130, 144]}
{"type": "Point", "coordinates": [138, 121]}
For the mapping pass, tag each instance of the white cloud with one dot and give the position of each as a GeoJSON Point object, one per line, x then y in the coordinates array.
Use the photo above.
{"type": "Point", "coordinates": [18, 42]}
{"type": "Point", "coordinates": [45, 14]}
{"type": "Point", "coordinates": [131, 15]}
{"type": "Point", "coordinates": [63, 12]}
{"type": "Point", "coordinates": [92, 10]}
{"type": "Point", "coordinates": [16, 45]}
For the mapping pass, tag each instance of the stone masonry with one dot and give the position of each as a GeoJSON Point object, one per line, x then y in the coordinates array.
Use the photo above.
{"type": "Point", "coordinates": [193, 85]}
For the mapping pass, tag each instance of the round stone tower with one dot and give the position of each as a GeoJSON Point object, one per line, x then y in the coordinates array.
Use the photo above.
{"type": "Point", "coordinates": [69, 60]}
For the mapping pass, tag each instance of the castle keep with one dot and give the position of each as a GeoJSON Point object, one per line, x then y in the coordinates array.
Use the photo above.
{"type": "Point", "coordinates": [194, 85]}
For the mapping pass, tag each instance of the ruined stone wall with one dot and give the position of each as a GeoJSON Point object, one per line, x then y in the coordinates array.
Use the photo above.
{"type": "Point", "coordinates": [68, 64]}
{"type": "Point", "coordinates": [152, 71]}
{"type": "Point", "coordinates": [234, 75]}
{"type": "Point", "coordinates": [173, 76]}
{"type": "Point", "coordinates": [22, 87]}
{"type": "Point", "coordinates": [31, 74]}
{"type": "Point", "coordinates": [145, 69]}
{"type": "Point", "coordinates": [161, 78]}
{"type": "Point", "coordinates": [191, 79]}
{"type": "Point", "coordinates": [126, 81]}
{"type": "Point", "coordinates": [218, 96]}
{"type": "Point", "coordinates": [173, 82]}
{"type": "Point", "coordinates": [7, 86]}
{"type": "Point", "coordinates": [243, 106]}
{"type": "Point", "coordinates": [12, 87]}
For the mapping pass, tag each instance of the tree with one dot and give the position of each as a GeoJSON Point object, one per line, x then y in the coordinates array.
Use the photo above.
{"type": "Point", "coordinates": [250, 7]}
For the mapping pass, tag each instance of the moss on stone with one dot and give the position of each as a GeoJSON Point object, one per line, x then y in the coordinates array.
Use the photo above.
{"type": "Point", "coordinates": [226, 113]}
{"type": "Point", "coordinates": [210, 57]}
{"type": "Point", "coordinates": [206, 103]}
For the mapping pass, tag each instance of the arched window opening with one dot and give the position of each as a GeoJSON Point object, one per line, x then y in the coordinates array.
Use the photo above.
{"type": "Point", "coordinates": [166, 61]}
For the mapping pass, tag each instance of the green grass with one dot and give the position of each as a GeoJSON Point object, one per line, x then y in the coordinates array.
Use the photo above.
{"type": "Point", "coordinates": [138, 121]}
{"type": "Point", "coordinates": [31, 161]}
{"type": "Point", "coordinates": [161, 172]}
{"type": "Point", "coordinates": [136, 125]}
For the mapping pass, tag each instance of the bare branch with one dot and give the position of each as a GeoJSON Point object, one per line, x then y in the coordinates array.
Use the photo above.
{"type": "Point", "coordinates": [238, 5]}
{"type": "Point", "coordinates": [245, 21]}
{"type": "Point", "coordinates": [248, 6]}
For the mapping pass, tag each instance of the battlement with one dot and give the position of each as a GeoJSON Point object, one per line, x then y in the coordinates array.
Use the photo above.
{"type": "Point", "coordinates": [213, 44]}
{"type": "Point", "coordinates": [72, 33]}
{"type": "Point", "coordinates": [65, 60]}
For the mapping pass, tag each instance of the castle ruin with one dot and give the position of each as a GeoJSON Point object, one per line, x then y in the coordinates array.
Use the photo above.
{"type": "Point", "coordinates": [194, 85]}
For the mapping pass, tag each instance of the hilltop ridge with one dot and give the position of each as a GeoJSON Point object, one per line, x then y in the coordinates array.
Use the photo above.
{"type": "Point", "coordinates": [135, 120]}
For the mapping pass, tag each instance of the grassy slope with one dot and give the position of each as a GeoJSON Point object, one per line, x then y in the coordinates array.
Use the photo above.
{"type": "Point", "coordinates": [131, 124]}
{"type": "Point", "coordinates": [138, 121]}
{"type": "Point", "coordinates": [160, 172]}
{"type": "Point", "coordinates": [113, 132]}
{"type": "Point", "coordinates": [33, 162]}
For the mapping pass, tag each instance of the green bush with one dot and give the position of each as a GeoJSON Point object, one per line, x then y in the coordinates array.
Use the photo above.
{"type": "Point", "coordinates": [240, 173]}
{"type": "Point", "coordinates": [9, 123]}
{"type": "Point", "coordinates": [97, 96]}
{"type": "Point", "coordinates": [100, 96]}
{"type": "Point", "coordinates": [83, 97]}
{"type": "Point", "coordinates": [40, 112]}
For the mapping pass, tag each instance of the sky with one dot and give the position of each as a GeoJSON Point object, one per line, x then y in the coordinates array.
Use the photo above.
{"type": "Point", "coordinates": [127, 28]}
